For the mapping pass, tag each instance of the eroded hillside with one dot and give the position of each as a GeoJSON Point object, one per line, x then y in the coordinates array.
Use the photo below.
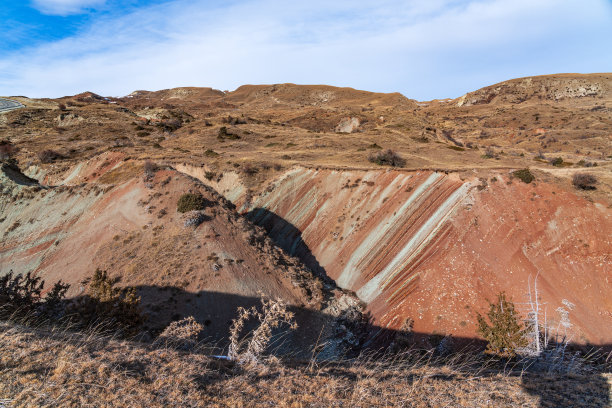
{"type": "Point", "coordinates": [429, 242]}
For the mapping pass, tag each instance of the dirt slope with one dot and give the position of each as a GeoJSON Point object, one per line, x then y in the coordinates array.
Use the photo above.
{"type": "Point", "coordinates": [426, 242]}
{"type": "Point", "coordinates": [433, 247]}
{"type": "Point", "coordinates": [132, 229]}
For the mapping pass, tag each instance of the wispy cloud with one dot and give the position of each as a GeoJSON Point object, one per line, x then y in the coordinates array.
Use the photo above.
{"type": "Point", "coordinates": [438, 48]}
{"type": "Point", "coordinates": [64, 7]}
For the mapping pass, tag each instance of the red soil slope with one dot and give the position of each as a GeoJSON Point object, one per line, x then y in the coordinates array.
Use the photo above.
{"type": "Point", "coordinates": [433, 247]}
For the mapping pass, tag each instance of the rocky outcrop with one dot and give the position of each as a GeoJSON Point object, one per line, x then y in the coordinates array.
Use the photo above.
{"type": "Point", "coordinates": [551, 87]}
{"type": "Point", "coordinates": [348, 125]}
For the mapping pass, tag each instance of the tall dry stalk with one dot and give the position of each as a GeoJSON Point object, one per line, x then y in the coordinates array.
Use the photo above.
{"type": "Point", "coordinates": [273, 314]}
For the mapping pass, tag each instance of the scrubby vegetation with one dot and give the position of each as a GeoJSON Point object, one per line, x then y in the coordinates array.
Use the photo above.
{"type": "Point", "coordinates": [249, 351]}
{"type": "Point", "coordinates": [225, 134]}
{"type": "Point", "coordinates": [56, 368]}
{"type": "Point", "coordinates": [557, 162]}
{"type": "Point", "coordinates": [387, 158]}
{"type": "Point", "coordinates": [104, 304]}
{"type": "Point", "coordinates": [7, 150]}
{"type": "Point", "coordinates": [249, 169]}
{"type": "Point", "coordinates": [210, 153]}
{"type": "Point", "coordinates": [182, 334]}
{"type": "Point", "coordinates": [505, 334]}
{"type": "Point", "coordinates": [116, 309]}
{"type": "Point", "coordinates": [190, 202]}
{"type": "Point", "coordinates": [49, 156]}
{"type": "Point", "coordinates": [524, 175]}
{"type": "Point", "coordinates": [21, 297]}
{"type": "Point", "coordinates": [489, 153]}
{"type": "Point", "coordinates": [584, 181]}
{"type": "Point", "coordinates": [149, 169]}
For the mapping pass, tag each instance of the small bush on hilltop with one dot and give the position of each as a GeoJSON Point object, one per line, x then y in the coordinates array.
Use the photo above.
{"type": "Point", "coordinates": [249, 169]}
{"type": "Point", "coordinates": [557, 161]}
{"type": "Point", "coordinates": [225, 134]}
{"type": "Point", "coordinates": [489, 153]}
{"type": "Point", "coordinates": [190, 202]}
{"type": "Point", "coordinates": [524, 175]}
{"type": "Point", "coordinates": [387, 158]}
{"type": "Point", "coordinates": [49, 156]}
{"type": "Point", "coordinates": [584, 181]}
{"type": "Point", "coordinates": [506, 333]}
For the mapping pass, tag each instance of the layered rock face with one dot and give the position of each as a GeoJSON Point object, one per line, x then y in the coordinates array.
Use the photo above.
{"type": "Point", "coordinates": [207, 267]}
{"type": "Point", "coordinates": [433, 248]}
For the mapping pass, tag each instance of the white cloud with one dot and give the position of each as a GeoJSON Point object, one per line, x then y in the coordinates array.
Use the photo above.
{"type": "Point", "coordinates": [439, 48]}
{"type": "Point", "coordinates": [64, 7]}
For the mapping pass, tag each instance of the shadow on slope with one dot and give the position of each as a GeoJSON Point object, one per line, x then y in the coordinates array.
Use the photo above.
{"type": "Point", "coordinates": [215, 311]}
{"type": "Point", "coordinates": [288, 237]}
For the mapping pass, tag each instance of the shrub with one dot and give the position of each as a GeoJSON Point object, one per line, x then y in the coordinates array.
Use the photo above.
{"type": "Point", "coordinates": [7, 149]}
{"type": "Point", "coordinates": [149, 168]}
{"type": "Point", "coordinates": [387, 158]}
{"type": "Point", "coordinates": [170, 125]}
{"type": "Point", "coordinates": [210, 153]}
{"type": "Point", "coordinates": [224, 134]}
{"type": "Point", "coordinates": [489, 153]}
{"type": "Point", "coordinates": [249, 169]}
{"type": "Point", "coordinates": [524, 175]}
{"type": "Point", "coordinates": [584, 181]}
{"type": "Point", "coordinates": [20, 296]}
{"type": "Point", "coordinates": [506, 333]}
{"type": "Point", "coordinates": [557, 162]}
{"type": "Point", "coordinates": [209, 175]}
{"type": "Point", "coordinates": [190, 202]}
{"type": "Point", "coordinates": [19, 293]}
{"type": "Point", "coordinates": [374, 146]}
{"type": "Point", "coordinates": [182, 334]}
{"type": "Point", "coordinates": [250, 351]}
{"type": "Point", "coordinates": [117, 308]}
{"type": "Point", "coordinates": [49, 156]}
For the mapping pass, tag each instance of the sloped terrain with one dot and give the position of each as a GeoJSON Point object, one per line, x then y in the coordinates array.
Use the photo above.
{"type": "Point", "coordinates": [429, 242]}
{"type": "Point", "coordinates": [49, 369]}
{"type": "Point", "coordinates": [433, 247]}
{"type": "Point", "coordinates": [206, 268]}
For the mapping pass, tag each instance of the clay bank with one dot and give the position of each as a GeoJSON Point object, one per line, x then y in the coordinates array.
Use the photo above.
{"type": "Point", "coordinates": [433, 247]}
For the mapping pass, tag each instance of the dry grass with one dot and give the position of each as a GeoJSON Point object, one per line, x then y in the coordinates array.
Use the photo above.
{"type": "Point", "coordinates": [57, 368]}
{"type": "Point", "coordinates": [511, 133]}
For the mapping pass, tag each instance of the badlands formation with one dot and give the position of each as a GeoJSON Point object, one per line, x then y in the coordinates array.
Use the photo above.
{"type": "Point", "coordinates": [296, 210]}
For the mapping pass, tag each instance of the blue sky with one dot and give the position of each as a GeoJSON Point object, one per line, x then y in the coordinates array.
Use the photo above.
{"type": "Point", "coordinates": [424, 49]}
